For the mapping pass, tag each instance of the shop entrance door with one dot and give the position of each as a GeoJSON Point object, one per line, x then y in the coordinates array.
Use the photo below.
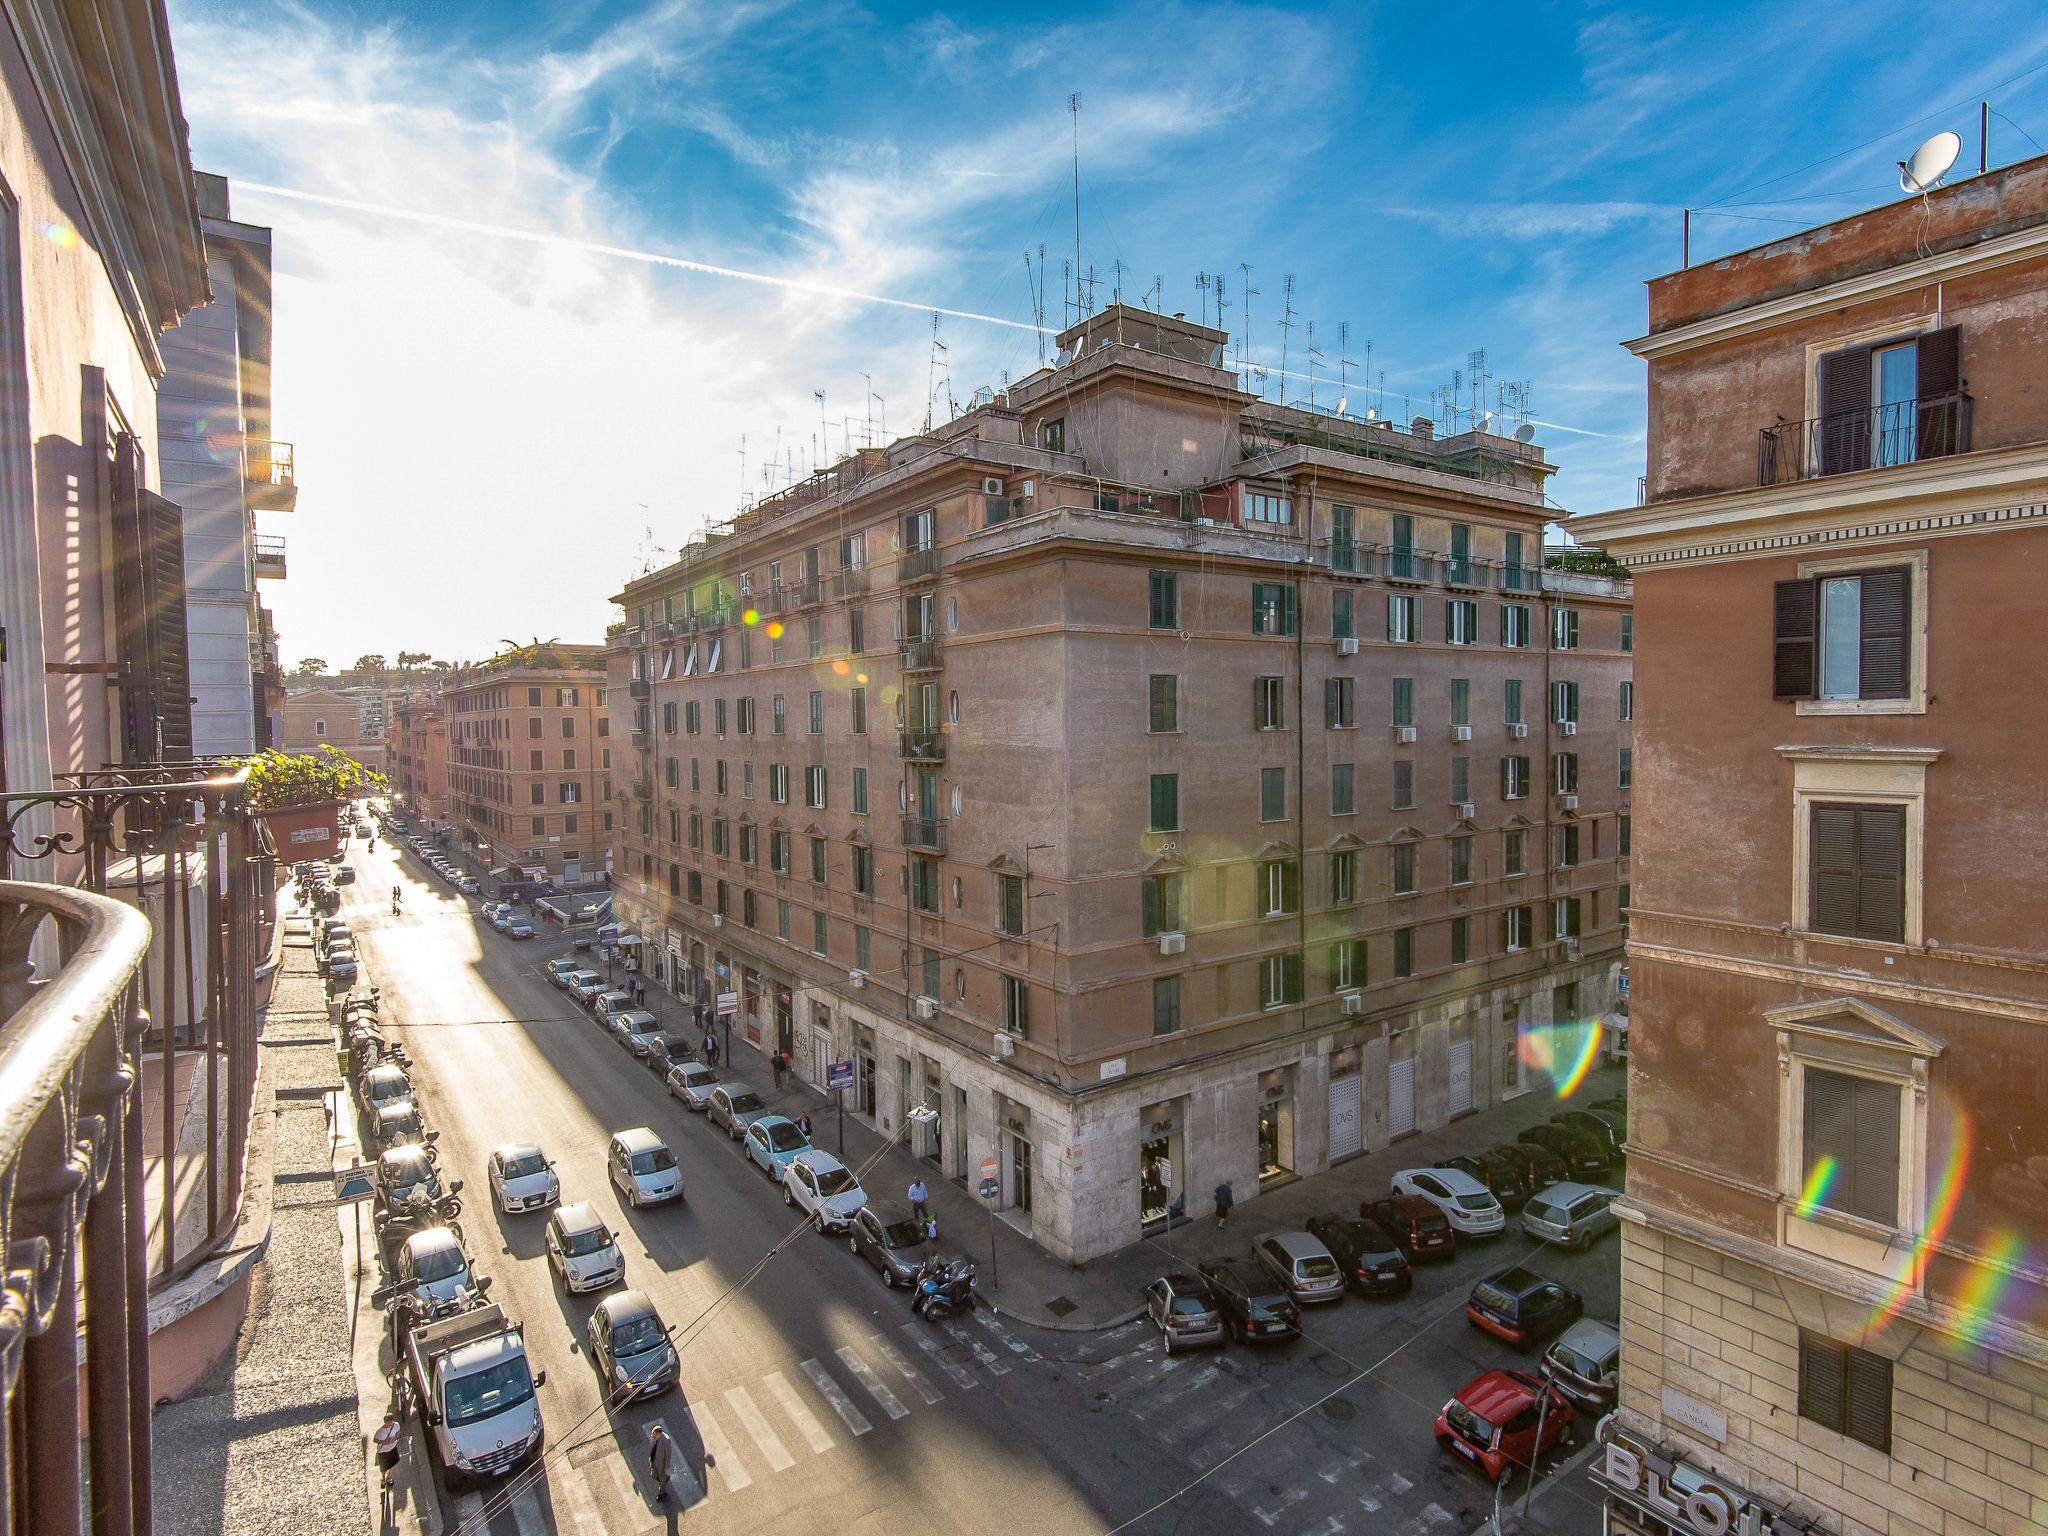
{"type": "Point", "coordinates": [1347, 1120]}
{"type": "Point", "coordinates": [1020, 1173]}
{"type": "Point", "coordinates": [1461, 1076]}
{"type": "Point", "coordinates": [1401, 1097]}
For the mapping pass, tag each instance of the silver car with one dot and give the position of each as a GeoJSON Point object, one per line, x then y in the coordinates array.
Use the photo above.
{"type": "Point", "coordinates": [1575, 1215]}
{"type": "Point", "coordinates": [1310, 1271]}
{"type": "Point", "coordinates": [1585, 1365]}
{"type": "Point", "coordinates": [582, 1250]}
{"type": "Point", "coordinates": [735, 1106]}
{"type": "Point", "coordinates": [692, 1082]}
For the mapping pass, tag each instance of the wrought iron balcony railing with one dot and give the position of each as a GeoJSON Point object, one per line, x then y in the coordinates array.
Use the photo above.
{"type": "Point", "coordinates": [921, 654]}
{"type": "Point", "coordinates": [924, 746]}
{"type": "Point", "coordinates": [918, 564]}
{"type": "Point", "coordinates": [927, 833]}
{"type": "Point", "coordinates": [1902, 432]}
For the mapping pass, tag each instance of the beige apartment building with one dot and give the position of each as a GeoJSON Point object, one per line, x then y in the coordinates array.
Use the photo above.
{"type": "Point", "coordinates": [419, 756]}
{"type": "Point", "coordinates": [1834, 1306]}
{"type": "Point", "coordinates": [529, 761]}
{"type": "Point", "coordinates": [1166, 787]}
{"type": "Point", "coordinates": [333, 717]}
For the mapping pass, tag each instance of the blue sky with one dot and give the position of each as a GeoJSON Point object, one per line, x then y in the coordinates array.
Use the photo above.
{"type": "Point", "coordinates": [489, 424]}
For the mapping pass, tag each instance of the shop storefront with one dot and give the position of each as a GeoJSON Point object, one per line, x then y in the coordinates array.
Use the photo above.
{"type": "Point", "coordinates": [1401, 1084]}
{"type": "Point", "coordinates": [934, 1136]}
{"type": "Point", "coordinates": [1276, 1125]}
{"type": "Point", "coordinates": [785, 1022]}
{"type": "Point", "coordinates": [1461, 1066]}
{"type": "Point", "coordinates": [1347, 1104]}
{"type": "Point", "coordinates": [1016, 1156]}
{"type": "Point", "coordinates": [864, 1071]}
{"type": "Point", "coordinates": [1162, 1171]}
{"type": "Point", "coordinates": [818, 1060]}
{"type": "Point", "coordinates": [1650, 1493]}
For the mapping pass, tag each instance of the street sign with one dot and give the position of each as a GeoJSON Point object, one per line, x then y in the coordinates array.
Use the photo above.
{"type": "Point", "coordinates": [838, 1075]}
{"type": "Point", "coordinates": [608, 934]}
{"type": "Point", "coordinates": [989, 1189]}
{"type": "Point", "coordinates": [990, 1167]}
{"type": "Point", "coordinates": [358, 1181]}
{"type": "Point", "coordinates": [728, 1005]}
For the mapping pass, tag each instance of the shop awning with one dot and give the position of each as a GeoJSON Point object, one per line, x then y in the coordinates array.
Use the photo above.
{"type": "Point", "coordinates": [627, 940]}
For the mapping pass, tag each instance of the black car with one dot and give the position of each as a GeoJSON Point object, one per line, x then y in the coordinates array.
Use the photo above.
{"type": "Point", "coordinates": [1618, 1103]}
{"type": "Point", "coordinates": [1499, 1174]}
{"type": "Point", "coordinates": [1373, 1262]}
{"type": "Point", "coordinates": [1602, 1128]}
{"type": "Point", "coordinates": [891, 1239]}
{"type": "Point", "coordinates": [1521, 1306]}
{"type": "Point", "coordinates": [1255, 1305]}
{"type": "Point", "coordinates": [1584, 1157]}
{"type": "Point", "coordinates": [1539, 1166]}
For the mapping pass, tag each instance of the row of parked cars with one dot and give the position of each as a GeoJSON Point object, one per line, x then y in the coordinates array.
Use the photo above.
{"type": "Point", "coordinates": [450, 872]}
{"type": "Point", "coordinates": [507, 919]}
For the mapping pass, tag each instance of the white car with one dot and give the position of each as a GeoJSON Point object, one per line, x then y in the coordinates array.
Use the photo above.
{"type": "Point", "coordinates": [522, 1179]}
{"type": "Point", "coordinates": [586, 987]}
{"type": "Point", "coordinates": [1467, 1204]}
{"type": "Point", "coordinates": [470, 886]}
{"type": "Point", "coordinates": [824, 1188]}
{"type": "Point", "coordinates": [692, 1082]}
{"type": "Point", "coordinates": [643, 1168]}
{"type": "Point", "coordinates": [434, 1262]}
{"type": "Point", "coordinates": [609, 1004]}
{"type": "Point", "coordinates": [582, 1249]}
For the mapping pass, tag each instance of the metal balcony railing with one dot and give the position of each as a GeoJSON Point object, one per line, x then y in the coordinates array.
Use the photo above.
{"type": "Point", "coordinates": [927, 833]}
{"type": "Point", "coordinates": [921, 654]}
{"type": "Point", "coordinates": [638, 736]}
{"type": "Point", "coordinates": [639, 688]}
{"type": "Point", "coordinates": [918, 564]}
{"type": "Point", "coordinates": [924, 746]}
{"type": "Point", "coordinates": [270, 555]}
{"type": "Point", "coordinates": [850, 582]}
{"type": "Point", "coordinates": [1903, 432]}
{"type": "Point", "coordinates": [807, 592]}
{"type": "Point", "coordinates": [273, 483]}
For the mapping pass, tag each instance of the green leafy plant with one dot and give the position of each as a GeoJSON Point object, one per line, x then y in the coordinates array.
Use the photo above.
{"type": "Point", "coordinates": [1585, 560]}
{"type": "Point", "coordinates": [279, 780]}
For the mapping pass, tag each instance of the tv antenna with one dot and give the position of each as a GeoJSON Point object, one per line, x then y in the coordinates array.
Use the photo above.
{"type": "Point", "coordinates": [1074, 107]}
{"type": "Point", "coordinates": [1286, 331]}
{"type": "Point", "coordinates": [1202, 288]}
{"type": "Point", "coordinates": [1245, 291]}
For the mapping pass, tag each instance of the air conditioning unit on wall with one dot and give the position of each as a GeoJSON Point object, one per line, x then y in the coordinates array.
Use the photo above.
{"type": "Point", "coordinates": [1353, 1002]}
{"type": "Point", "coordinates": [1518, 729]}
{"type": "Point", "coordinates": [1347, 646]}
{"type": "Point", "coordinates": [856, 978]}
{"type": "Point", "coordinates": [1404, 733]}
{"type": "Point", "coordinates": [1461, 733]}
{"type": "Point", "coordinates": [1173, 943]}
{"type": "Point", "coordinates": [926, 1007]}
{"type": "Point", "coordinates": [991, 485]}
{"type": "Point", "coordinates": [1568, 802]}
{"type": "Point", "coordinates": [1466, 810]}
{"type": "Point", "coordinates": [1567, 727]}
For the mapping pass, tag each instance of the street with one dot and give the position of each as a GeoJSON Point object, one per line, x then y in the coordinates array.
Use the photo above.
{"type": "Point", "coordinates": [815, 1394]}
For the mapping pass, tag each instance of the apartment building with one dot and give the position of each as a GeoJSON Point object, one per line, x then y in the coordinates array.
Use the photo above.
{"type": "Point", "coordinates": [419, 756]}
{"type": "Point", "coordinates": [332, 717]}
{"type": "Point", "coordinates": [1835, 1312]}
{"type": "Point", "coordinates": [1165, 787]}
{"type": "Point", "coordinates": [529, 760]}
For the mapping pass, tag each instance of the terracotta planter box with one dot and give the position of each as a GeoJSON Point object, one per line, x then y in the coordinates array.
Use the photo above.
{"type": "Point", "coordinates": [304, 831]}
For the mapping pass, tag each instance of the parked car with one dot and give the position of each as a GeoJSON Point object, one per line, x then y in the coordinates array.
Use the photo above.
{"type": "Point", "coordinates": [1537, 1165]}
{"type": "Point", "coordinates": [1576, 1215]}
{"type": "Point", "coordinates": [638, 1030]}
{"type": "Point", "coordinates": [1255, 1306]}
{"type": "Point", "coordinates": [385, 1085]}
{"type": "Point", "coordinates": [1418, 1228]}
{"type": "Point", "coordinates": [1372, 1261]}
{"type": "Point", "coordinates": [404, 1172]}
{"type": "Point", "coordinates": [469, 885]}
{"type": "Point", "coordinates": [1499, 1174]}
{"type": "Point", "coordinates": [398, 1125]}
{"type": "Point", "coordinates": [1503, 1419]}
{"type": "Point", "coordinates": [501, 921]}
{"type": "Point", "coordinates": [1467, 1204]}
{"type": "Point", "coordinates": [518, 928]}
{"type": "Point", "coordinates": [734, 1107]}
{"type": "Point", "coordinates": [643, 1168]}
{"type": "Point", "coordinates": [771, 1141]}
{"type": "Point", "coordinates": [630, 1348]}
{"type": "Point", "coordinates": [1186, 1312]}
{"type": "Point", "coordinates": [1585, 1365]}
{"type": "Point", "coordinates": [582, 1250]}
{"type": "Point", "coordinates": [692, 1082]}
{"type": "Point", "coordinates": [1583, 1156]}
{"type": "Point", "coordinates": [610, 1003]}
{"type": "Point", "coordinates": [1521, 1306]}
{"type": "Point", "coordinates": [891, 1239]}
{"type": "Point", "coordinates": [341, 972]}
{"type": "Point", "coordinates": [1302, 1264]}
{"type": "Point", "coordinates": [1608, 1130]}
{"type": "Point", "coordinates": [586, 987]}
{"type": "Point", "coordinates": [560, 970]}
{"type": "Point", "coordinates": [346, 875]}
{"type": "Point", "coordinates": [434, 1264]}
{"type": "Point", "coordinates": [522, 1179]}
{"type": "Point", "coordinates": [823, 1188]}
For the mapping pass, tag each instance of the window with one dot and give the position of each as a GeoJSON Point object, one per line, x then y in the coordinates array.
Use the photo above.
{"type": "Point", "coordinates": [1514, 625]}
{"type": "Point", "coordinates": [814, 634]}
{"type": "Point", "coordinates": [1621, 836]}
{"type": "Point", "coordinates": [1164, 691]}
{"type": "Point", "coordinates": [1846, 1389]}
{"type": "Point", "coordinates": [1401, 616]}
{"type": "Point", "coordinates": [778, 715]}
{"type": "Point", "coordinates": [1564, 773]}
{"type": "Point", "coordinates": [1279, 980]}
{"type": "Point", "coordinates": [1857, 883]}
{"type": "Point", "coordinates": [862, 858]}
{"type": "Point", "coordinates": [747, 841]}
{"type": "Point", "coordinates": [1160, 899]}
{"type": "Point", "coordinates": [319, 727]}
{"type": "Point", "coordinates": [1511, 701]}
{"type": "Point", "coordinates": [1460, 570]}
{"type": "Point", "coordinates": [1564, 918]}
{"type": "Point", "coordinates": [1515, 929]}
{"type": "Point", "coordinates": [533, 698]}
{"type": "Point", "coordinates": [1052, 435]}
{"type": "Point", "coordinates": [928, 973]}
{"type": "Point", "coordinates": [924, 883]}
{"type": "Point", "coordinates": [1404, 951]}
{"type": "Point", "coordinates": [533, 760]}
{"type": "Point", "coordinates": [720, 832]}
{"type": "Point", "coordinates": [1267, 507]}
{"type": "Point", "coordinates": [1010, 904]}
{"type": "Point", "coordinates": [1627, 707]}
{"type": "Point", "coordinates": [1165, 813]}
{"type": "Point", "coordinates": [1279, 887]}
{"type": "Point", "coordinates": [668, 719]}
{"type": "Point", "coordinates": [718, 717]}
{"type": "Point", "coordinates": [1564, 629]}
{"type": "Point", "coordinates": [1016, 1006]}
{"type": "Point", "coordinates": [1461, 780]}
{"type": "Point", "coordinates": [719, 767]}
{"type": "Point", "coordinates": [1404, 785]}
{"type": "Point", "coordinates": [1165, 1005]}
{"type": "Point", "coordinates": [1565, 843]}
{"type": "Point", "coordinates": [1340, 709]}
{"type": "Point", "coordinates": [814, 787]}
{"type": "Point", "coordinates": [1514, 778]}
{"type": "Point", "coordinates": [778, 783]}
{"type": "Point", "coordinates": [1347, 964]}
{"type": "Point", "coordinates": [533, 728]}
{"type": "Point", "coordinates": [1273, 610]}
{"type": "Point", "coordinates": [540, 826]}
{"type": "Point", "coordinates": [539, 794]}
{"type": "Point", "coordinates": [1461, 621]}
{"type": "Point", "coordinates": [1461, 940]}
{"type": "Point", "coordinates": [1461, 860]}
{"type": "Point", "coordinates": [1342, 625]}
{"type": "Point", "coordinates": [747, 912]}
{"type": "Point", "coordinates": [856, 629]}
{"type": "Point", "coordinates": [1404, 701]}
{"type": "Point", "coordinates": [778, 851]}
{"type": "Point", "coordinates": [1401, 555]}
{"type": "Point", "coordinates": [782, 920]}
{"type": "Point", "coordinates": [1843, 636]}
{"type": "Point", "coordinates": [1461, 701]}
{"type": "Point", "coordinates": [1343, 878]}
{"type": "Point", "coordinates": [1269, 704]}
{"type": "Point", "coordinates": [696, 830]}
{"type": "Point", "coordinates": [860, 791]}
{"type": "Point", "coordinates": [1403, 858]}
{"type": "Point", "coordinates": [1343, 789]}
{"type": "Point", "coordinates": [860, 948]}
{"type": "Point", "coordinates": [817, 714]}
{"type": "Point", "coordinates": [817, 861]}
{"type": "Point", "coordinates": [1164, 608]}
{"type": "Point", "coordinates": [1626, 770]}
{"type": "Point", "coordinates": [1272, 794]}
{"type": "Point", "coordinates": [1628, 631]}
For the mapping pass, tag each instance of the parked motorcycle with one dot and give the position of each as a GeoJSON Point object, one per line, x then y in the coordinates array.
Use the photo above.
{"type": "Point", "coordinates": [419, 1213]}
{"type": "Point", "coordinates": [943, 1287]}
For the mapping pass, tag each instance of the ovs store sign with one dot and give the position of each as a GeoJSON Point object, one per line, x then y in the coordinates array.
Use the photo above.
{"type": "Point", "coordinates": [1685, 1497]}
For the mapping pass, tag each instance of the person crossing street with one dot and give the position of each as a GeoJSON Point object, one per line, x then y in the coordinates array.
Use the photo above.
{"type": "Point", "coordinates": [660, 1459]}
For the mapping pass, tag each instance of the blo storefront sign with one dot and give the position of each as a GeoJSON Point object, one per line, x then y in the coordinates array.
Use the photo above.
{"type": "Point", "coordinates": [1683, 1497]}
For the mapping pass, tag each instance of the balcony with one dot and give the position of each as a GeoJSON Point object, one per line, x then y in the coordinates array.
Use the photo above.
{"type": "Point", "coordinates": [639, 688]}
{"type": "Point", "coordinates": [850, 582]}
{"type": "Point", "coordinates": [638, 735]}
{"type": "Point", "coordinates": [924, 746]}
{"type": "Point", "coordinates": [926, 833]}
{"type": "Point", "coordinates": [921, 654]}
{"type": "Point", "coordinates": [643, 789]}
{"type": "Point", "coordinates": [1903, 432]}
{"type": "Point", "coordinates": [272, 486]}
{"type": "Point", "coordinates": [918, 565]}
{"type": "Point", "coordinates": [805, 593]}
{"type": "Point", "coordinates": [270, 556]}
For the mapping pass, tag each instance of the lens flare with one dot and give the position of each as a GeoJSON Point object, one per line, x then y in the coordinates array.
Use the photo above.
{"type": "Point", "coordinates": [1564, 1053]}
{"type": "Point", "coordinates": [63, 236]}
{"type": "Point", "coordinates": [751, 616]}
{"type": "Point", "coordinates": [1819, 1179]}
{"type": "Point", "coordinates": [1979, 1300]}
{"type": "Point", "coordinates": [1589, 1052]}
{"type": "Point", "coordinates": [1907, 1273]}
{"type": "Point", "coordinates": [860, 677]}
{"type": "Point", "coordinates": [774, 629]}
{"type": "Point", "coordinates": [841, 669]}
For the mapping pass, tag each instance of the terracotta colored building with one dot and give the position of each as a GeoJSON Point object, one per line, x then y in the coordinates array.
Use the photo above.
{"type": "Point", "coordinates": [1164, 786]}
{"type": "Point", "coordinates": [419, 756]}
{"type": "Point", "coordinates": [529, 760]}
{"type": "Point", "coordinates": [1834, 1302]}
{"type": "Point", "coordinates": [333, 717]}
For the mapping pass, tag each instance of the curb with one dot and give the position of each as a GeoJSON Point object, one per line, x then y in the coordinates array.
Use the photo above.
{"type": "Point", "coordinates": [1065, 1327]}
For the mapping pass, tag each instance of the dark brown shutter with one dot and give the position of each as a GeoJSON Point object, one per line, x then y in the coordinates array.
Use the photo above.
{"type": "Point", "coordinates": [1823, 1387]}
{"type": "Point", "coordinates": [1881, 872]}
{"type": "Point", "coordinates": [149, 604]}
{"type": "Point", "coordinates": [1795, 619]}
{"type": "Point", "coordinates": [1873, 1160]}
{"type": "Point", "coordinates": [1884, 665]}
{"type": "Point", "coordinates": [1867, 1399]}
{"type": "Point", "coordinates": [1940, 370]}
{"type": "Point", "coordinates": [1831, 857]}
{"type": "Point", "coordinates": [1844, 426]}
{"type": "Point", "coordinates": [170, 643]}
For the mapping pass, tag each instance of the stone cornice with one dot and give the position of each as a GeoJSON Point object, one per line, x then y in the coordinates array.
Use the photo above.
{"type": "Point", "coordinates": [1835, 980]}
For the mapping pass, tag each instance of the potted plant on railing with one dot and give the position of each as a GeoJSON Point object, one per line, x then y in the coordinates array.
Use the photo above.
{"type": "Point", "coordinates": [299, 797]}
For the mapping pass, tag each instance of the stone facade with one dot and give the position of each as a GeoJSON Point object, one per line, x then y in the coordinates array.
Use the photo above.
{"type": "Point", "coordinates": [529, 761]}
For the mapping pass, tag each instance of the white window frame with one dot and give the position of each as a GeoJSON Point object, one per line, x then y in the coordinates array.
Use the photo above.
{"type": "Point", "coordinates": [1401, 611]}
{"type": "Point", "coordinates": [1915, 701]}
{"type": "Point", "coordinates": [1517, 626]}
{"type": "Point", "coordinates": [1463, 627]}
{"type": "Point", "coordinates": [1867, 776]}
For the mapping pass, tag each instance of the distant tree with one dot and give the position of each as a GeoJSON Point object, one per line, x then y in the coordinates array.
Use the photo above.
{"type": "Point", "coordinates": [407, 660]}
{"type": "Point", "coordinates": [311, 667]}
{"type": "Point", "coordinates": [372, 665]}
{"type": "Point", "coordinates": [442, 666]}
{"type": "Point", "coordinates": [1584, 560]}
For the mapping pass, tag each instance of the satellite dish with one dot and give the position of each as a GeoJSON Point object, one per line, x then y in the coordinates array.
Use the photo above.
{"type": "Point", "coordinates": [1344, 401]}
{"type": "Point", "coordinates": [1923, 171]}
{"type": "Point", "coordinates": [1526, 432]}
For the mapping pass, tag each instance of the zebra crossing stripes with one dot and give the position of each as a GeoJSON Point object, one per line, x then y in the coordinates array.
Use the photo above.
{"type": "Point", "coordinates": [904, 1368]}
{"type": "Point", "coordinates": [871, 1383]}
{"type": "Point", "coordinates": [1007, 1339]}
{"type": "Point", "coordinates": [756, 1425]}
{"type": "Point", "coordinates": [981, 1352]}
{"type": "Point", "coordinates": [725, 1460]}
{"type": "Point", "coordinates": [836, 1396]}
{"type": "Point", "coordinates": [806, 1422]}
{"type": "Point", "coordinates": [920, 1335]}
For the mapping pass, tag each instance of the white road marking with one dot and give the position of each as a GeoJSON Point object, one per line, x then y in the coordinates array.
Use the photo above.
{"type": "Point", "coordinates": [575, 1505]}
{"type": "Point", "coordinates": [920, 1334]}
{"type": "Point", "coordinates": [1288, 1500]}
{"type": "Point", "coordinates": [1436, 1514]}
{"type": "Point", "coordinates": [836, 1396]}
{"type": "Point", "coordinates": [1009, 1341]}
{"type": "Point", "coordinates": [1198, 1382]}
{"type": "Point", "coordinates": [1207, 1415]}
{"type": "Point", "coordinates": [802, 1417]}
{"type": "Point", "coordinates": [731, 1471]}
{"type": "Point", "coordinates": [469, 1511]}
{"type": "Point", "coordinates": [526, 1514]}
{"type": "Point", "coordinates": [680, 1476]}
{"type": "Point", "coordinates": [758, 1426]}
{"type": "Point", "coordinates": [891, 1404]}
{"type": "Point", "coordinates": [909, 1372]}
{"type": "Point", "coordinates": [1398, 1483]}
{"type": "Point", "coordinates": [982, 1352]}
{"type": "Point", "coordinates": [1371, 1504]}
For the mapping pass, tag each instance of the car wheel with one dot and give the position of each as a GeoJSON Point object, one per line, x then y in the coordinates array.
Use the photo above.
{"type": "Point", "coordinates": [787, 1197]}
{"type": "Point", "coordinates": [818, 1221]}
{"type": "Point", "coordinates": [1168, 1336]}
{"type": "Point", "coordinates": [853, 1245]}
{"type": "Point", "coordinates": [888, 1277]}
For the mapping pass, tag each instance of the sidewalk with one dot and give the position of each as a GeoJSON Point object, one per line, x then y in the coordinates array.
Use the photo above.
{"type": "Point", "coordinates": [1024, 1281]}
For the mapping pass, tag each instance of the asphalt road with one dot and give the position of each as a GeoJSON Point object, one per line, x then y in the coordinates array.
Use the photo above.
{"type": "Point", "coordinates": [818, 1397]}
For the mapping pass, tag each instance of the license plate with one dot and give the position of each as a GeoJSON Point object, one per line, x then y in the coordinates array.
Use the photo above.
{"type": "Point", "coordinates": [1464, 1450]}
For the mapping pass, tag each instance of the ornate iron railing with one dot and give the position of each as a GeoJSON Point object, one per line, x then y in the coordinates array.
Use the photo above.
{"type": "Point", "coordinates": [1876, 437]}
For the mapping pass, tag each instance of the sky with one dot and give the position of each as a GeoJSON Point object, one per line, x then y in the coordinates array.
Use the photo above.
{"type": "Point", "coordinates": [556, 281]}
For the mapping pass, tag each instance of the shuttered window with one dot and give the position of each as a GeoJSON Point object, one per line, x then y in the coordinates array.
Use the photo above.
{"type": "Point", "coordinates": [1842, 637]}
{"type": "Point", "coordinates": [1846, 1389]}
{"type": "Point", "coordinates": [1857, 860]}
{"type": "Point", "coordinates": [1850, 1145]}
{"type": "Point", "coordinates": [1161, 904]}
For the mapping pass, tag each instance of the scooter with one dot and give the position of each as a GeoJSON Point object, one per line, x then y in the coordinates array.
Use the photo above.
{"type": "Point", "coordinates": [944, 1288]}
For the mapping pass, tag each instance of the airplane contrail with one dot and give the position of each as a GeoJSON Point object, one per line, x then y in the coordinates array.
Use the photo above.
{"type": "Point", "coordinates": [625, 253]}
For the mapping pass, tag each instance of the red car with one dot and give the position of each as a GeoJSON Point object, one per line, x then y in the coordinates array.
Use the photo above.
{"type": "Point", "coordinates": [1493, 1422]}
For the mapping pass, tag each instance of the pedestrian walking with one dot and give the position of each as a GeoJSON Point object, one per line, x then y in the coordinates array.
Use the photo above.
{"type": "Point", "coordinates": [387, 1438]}
{"type": "Point", "coordinates": [919, 1201]}
{"type": "Point", "coordinates": [803, 1123]}
{"type": "Point", "coordinates": [1223, 1204]}
{"type": "Point", "coordinates": [660, 1457]}
{"type": "Point", "coordinates": [775, 1062]}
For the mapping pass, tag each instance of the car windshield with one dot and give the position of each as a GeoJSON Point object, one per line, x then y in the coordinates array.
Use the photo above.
{"type": "Point", "coordinates": [836, 1181]}
{"type": "Point", "coordinates": [1316, 1268]}
{"type": "Point", "coordinates": [746, 1103]}
{"type": "Point", "coordinates": [440, 1264]}
{"type": "Point", "coordinates": [1191, 1306]}
{"type": "Point", "coordinates": [1577, 1363]}
{"type": "Point", "coordinates": [1487, 1294]}
{"type": "Point", "coordinates": [636, 1336]}
{"type": "Point", "coordinates": [1469, 1424]}
{"type": "Point", "coordinates": [785, 1137]}
{"type": "Point", "coordinates": [659, 1160]}
{"type": "Point", "coordinates": [903, 1234]}
{"type": "Point", "coordinates": [525, 1166]}
{"type": "Point", "coordinates": [580, 1244]}
{"type": "Point", "coordinates": [1476, 1202]}
{"type": "Point", "coordinates": [505, 1385]}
